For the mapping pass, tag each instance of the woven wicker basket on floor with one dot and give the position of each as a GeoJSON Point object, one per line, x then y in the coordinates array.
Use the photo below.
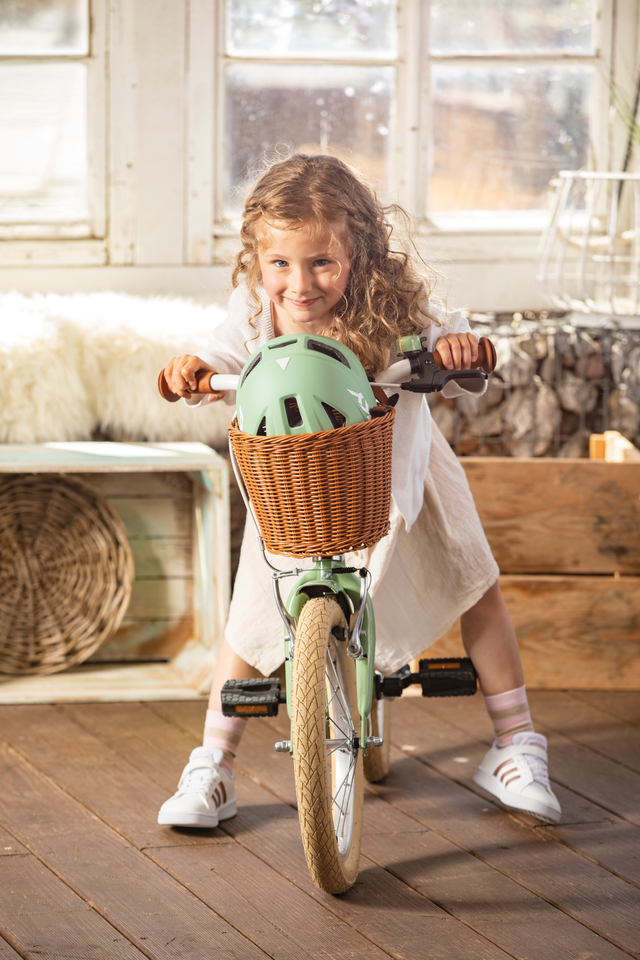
{"type": "Point", "coordinates": [319, 494]}
{"type": "Point", "coordinates": [65, 573]}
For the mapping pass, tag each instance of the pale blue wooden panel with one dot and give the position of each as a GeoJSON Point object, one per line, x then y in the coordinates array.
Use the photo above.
{"type": "Point", "coordinates": [97, 457]}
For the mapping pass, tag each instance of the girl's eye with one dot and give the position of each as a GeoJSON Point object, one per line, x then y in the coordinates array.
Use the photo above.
{"type": "Point", "coordinates": [322, 263]}
{"type": "Point", "coordinates": [280, 263]}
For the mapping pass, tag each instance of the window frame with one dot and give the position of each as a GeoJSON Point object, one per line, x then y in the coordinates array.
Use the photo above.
{"type": "Point", "coordinates": [224, 228]}
{"type": "Point", "coordinates": [95, 225]}
{"type": "Point", "coordinates": [529, 221]}
{"type": "Point", "coordinates": [127, 148]}
{"type": "Point", "coordinates": [413, 115]}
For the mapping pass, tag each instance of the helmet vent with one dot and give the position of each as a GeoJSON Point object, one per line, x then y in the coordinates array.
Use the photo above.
{"type": "Point", "coordinates": [262, 429]}
{"type": "Point", "coordinates": [254, 363]}
{"type": "Point", "coordinates": [277, 346]}
{"type": "Point", "coordinates": [292, 410]}
{"type": "Point", "coordinates": [337, 419]}
{"type": "Point", "coordinates": [328, 351]}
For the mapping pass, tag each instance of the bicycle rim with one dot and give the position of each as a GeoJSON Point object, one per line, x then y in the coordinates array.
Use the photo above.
{"type": "Point", "coordinates": [325, 727]}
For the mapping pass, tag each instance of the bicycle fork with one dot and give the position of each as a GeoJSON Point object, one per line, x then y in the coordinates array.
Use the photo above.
{"type": "Point", "coordinates": [439, 677]}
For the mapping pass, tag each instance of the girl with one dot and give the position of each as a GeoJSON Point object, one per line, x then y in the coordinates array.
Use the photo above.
{"type": "Point", "coordinates": [316, 258]}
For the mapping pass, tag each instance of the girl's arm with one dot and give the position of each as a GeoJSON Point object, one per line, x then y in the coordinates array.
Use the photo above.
{"type": "Point", "coordinates": [226, 353]}
{"type": "Point", "coordinates": [240, 334]}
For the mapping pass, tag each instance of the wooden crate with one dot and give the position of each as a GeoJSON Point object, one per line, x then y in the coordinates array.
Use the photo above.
{"type": "Point", "coordinates": [174, 502]}
{"type": "Point", "coordinates": [566, 535]}
{"type": "Point", "coordinates": [157, 511]}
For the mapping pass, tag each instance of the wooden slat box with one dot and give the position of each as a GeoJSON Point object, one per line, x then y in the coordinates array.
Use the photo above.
{"type": "Point", "coordinates": [174, 501]}
{"type": "Point", "coordinates": [566, 535]}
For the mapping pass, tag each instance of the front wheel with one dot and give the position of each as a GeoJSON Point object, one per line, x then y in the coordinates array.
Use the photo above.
{"type": "Point", "coordinates": [325, 730]}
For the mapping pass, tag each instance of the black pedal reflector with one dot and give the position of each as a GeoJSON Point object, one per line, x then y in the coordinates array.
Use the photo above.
{"type": "Point", "coordinates": [447, 677]}
{"type": "Point", "coordinates": [251, 698]}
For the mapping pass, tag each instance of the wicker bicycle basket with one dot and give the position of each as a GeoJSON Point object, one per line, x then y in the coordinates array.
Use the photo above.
{"type": "Point", "coordinates": [319, 494]}
{"type": "Point", "coordinates": [65, 573]}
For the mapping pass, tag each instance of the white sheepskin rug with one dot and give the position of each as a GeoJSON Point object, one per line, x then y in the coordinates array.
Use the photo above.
{"type": "Point", "coordinates": [71, 366]}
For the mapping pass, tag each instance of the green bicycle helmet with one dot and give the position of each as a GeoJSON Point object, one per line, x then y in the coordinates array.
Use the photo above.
{"type": "Point", "coordinates": [302, 383]}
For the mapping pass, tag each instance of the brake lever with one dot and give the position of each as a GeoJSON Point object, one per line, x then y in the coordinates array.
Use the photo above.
{"type": "Point", "coordinates": [431, 378]}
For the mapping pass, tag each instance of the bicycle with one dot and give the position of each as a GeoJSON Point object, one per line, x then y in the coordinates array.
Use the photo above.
{"type": "Point", "coordinates": [335, 699]}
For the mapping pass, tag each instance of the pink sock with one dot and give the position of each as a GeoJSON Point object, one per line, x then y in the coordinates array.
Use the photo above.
{"type": "Point", "coordinates": [509, 713]}
{"type": "Point", "coordinates": [223, 733]}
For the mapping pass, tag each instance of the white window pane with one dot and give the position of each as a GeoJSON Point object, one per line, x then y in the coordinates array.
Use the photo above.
{"type": "Point", "coordinates": [311, 28]}
{"type": "Point", "coordinates": [44, 27]}
{"type": "Point", "coordinates": [345, 111]}
{"type": "Point", "coordinates": [509, 26]}
{"type": "Point", "coordinates": [43, 142]}
{"type": "Point", "coordinates": [499, 135]}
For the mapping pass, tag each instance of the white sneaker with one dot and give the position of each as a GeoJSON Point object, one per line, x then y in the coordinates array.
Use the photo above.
{"type": "Point", "coordinates": [206, 793]}
{"type": "Point", "coordinates": [518, 776]}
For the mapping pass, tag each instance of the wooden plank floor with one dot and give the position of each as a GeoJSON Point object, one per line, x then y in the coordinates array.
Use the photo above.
{"type": "Point", "coordinates": [86, 872]}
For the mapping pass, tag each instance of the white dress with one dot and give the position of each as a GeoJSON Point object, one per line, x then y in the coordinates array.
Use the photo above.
{"type": "Point", "coordinates": [433, 565]}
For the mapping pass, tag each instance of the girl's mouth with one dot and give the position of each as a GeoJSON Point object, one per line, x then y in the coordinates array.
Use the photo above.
{"type": "Point", "coordinates": [304, 303]}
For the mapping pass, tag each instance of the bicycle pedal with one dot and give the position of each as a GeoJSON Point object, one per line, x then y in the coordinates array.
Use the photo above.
{"type": "Point", "coordinates": [447, 677]}
{"type": "Point", "coordinates": [256, 697]}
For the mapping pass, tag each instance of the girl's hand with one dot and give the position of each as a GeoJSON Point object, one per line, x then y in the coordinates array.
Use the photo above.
{"type": "Point", "coordinates": [458, 350]}
{"type": "Point", "coordinates": [180, 374]}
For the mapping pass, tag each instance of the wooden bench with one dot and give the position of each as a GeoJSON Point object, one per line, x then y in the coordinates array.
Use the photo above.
{"type": "Point", "coordinates": [174, 501]}
{"type": "Point", "coordinates": [566, 535]}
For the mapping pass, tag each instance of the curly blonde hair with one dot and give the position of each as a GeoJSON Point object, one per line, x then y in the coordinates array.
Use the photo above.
{"type": "Point", "coordinates": [385, 296]}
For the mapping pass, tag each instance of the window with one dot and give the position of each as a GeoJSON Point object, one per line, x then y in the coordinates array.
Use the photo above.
{"type": "Point", "coordinates": [511, 92]}
{"type": "Point", "coordinates": [506, 96]}
{"type": "Point", "coordinates": [315, 76]}
{"type": "Point", "coordinates": [45, 134]}
{"type": "Point", "coordinates": [126, 127]}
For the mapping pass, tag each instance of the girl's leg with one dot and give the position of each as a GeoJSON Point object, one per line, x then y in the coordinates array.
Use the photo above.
{"type": "Point", "coordinates": [206, 792]}
{"type": "Point", "coordinates": [220, 732]}
{"type": "Point", "coordinates": [490, 640]}
{"type": "Point", "coordinates": [515, 769]}
{"type": "Point", "coordinates": [229, 666]}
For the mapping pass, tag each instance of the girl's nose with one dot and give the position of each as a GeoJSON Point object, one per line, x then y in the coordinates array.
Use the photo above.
{"type": "Point", "coordinates": [300, 281]}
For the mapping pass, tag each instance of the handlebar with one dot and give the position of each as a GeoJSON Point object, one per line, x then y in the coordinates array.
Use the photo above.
{"type": "Point", "coordinates": [432, 375]}
{"type": "Point", "coordinates": [206, 382]}
{"type": "Point", "coordinates": [429, 372]}
{"type": "Point", "coordinates": [487, 357]}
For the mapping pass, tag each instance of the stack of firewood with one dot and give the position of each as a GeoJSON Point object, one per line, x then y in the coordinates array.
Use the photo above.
{"type": "Point", "coordinates": [555, 383]}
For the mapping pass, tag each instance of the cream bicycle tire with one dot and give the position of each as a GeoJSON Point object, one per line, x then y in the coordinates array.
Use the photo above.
{"type": "Point", "coordinates": [377, 761]}
{"type": "Point", "coordinates": [329, 784]}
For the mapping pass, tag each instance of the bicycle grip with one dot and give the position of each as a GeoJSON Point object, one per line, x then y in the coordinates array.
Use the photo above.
{"type": "Point", "coordinates": [203, 385]}
{"type": "Point", "coordinates": [486, 357]}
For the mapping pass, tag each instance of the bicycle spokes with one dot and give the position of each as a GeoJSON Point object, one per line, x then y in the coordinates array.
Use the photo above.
{"type": "Point", "coordinates": [342, 748]}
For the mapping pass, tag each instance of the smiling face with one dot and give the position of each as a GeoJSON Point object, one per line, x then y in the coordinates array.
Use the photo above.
{"type": "Point", "coordinates": [305, 273]}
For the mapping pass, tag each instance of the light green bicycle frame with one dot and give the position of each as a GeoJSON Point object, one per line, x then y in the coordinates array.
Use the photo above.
{"type": "Point", "coordinates": [323, 578]}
